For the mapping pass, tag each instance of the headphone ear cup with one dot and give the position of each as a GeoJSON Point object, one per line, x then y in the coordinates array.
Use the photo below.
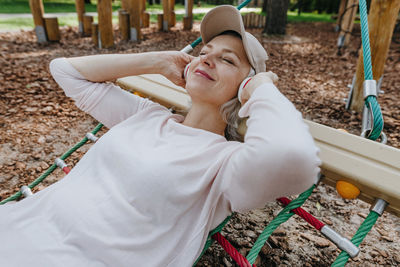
{"type": "Point", "coordinates": [243, 85]}
{"type": "Point", "coordinates": [185, 71]}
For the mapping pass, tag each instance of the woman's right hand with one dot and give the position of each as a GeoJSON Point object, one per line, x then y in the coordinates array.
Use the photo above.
{"type": "Point", "coordinates": [172, 64]}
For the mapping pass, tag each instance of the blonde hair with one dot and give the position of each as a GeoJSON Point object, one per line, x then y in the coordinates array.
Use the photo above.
{"type": "Point", "coordinates": [230, 114]}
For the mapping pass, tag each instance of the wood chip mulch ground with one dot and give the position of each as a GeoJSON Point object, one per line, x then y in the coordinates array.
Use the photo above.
{"type": "Point", "coordinates": [39, 123]}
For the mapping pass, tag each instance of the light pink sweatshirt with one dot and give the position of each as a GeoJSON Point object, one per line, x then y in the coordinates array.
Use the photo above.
{"type": "Point", "coordinates": [150, 190]}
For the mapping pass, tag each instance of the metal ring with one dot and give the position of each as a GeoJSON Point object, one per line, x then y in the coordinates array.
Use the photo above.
{"type": "Point", "coordinates": [382, 136]}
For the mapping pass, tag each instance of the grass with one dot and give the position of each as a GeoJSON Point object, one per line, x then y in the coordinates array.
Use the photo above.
{"type": "Point", "coordinates": [68, 6]}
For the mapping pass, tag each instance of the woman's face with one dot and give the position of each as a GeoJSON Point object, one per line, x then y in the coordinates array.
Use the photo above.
{"type": "Point", "coordinates": [214, 77]}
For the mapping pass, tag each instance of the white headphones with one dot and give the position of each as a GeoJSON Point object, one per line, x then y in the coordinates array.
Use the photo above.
{"type": "Point", "coordinates": [242, 84]}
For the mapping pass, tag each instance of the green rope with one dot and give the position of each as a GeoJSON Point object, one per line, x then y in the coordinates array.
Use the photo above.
{"type": "Point", "coordinates": [210, 240]}
{"type": "Point", "coordinates": [371, 102]}
{"type": "Point", "coordinates": [282, 217]}
{"type": "Point", "coordinates": [52, 167]}
{"type": "Point", "coordinates": [239, 7]}
{"type": "Point", "coordinates": [361, 233]}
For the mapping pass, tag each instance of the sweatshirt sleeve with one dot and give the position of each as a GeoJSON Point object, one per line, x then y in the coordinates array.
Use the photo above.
{"type": "Point", "coordinates": [106, 102]}
{"type": "Point", "coordinates": [278, 157]}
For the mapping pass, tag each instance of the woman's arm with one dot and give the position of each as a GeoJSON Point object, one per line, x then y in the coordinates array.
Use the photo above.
{"type": "Point", "coordinates": [278, 157]}
{"type": "Point", "coordinates": [100, 68]}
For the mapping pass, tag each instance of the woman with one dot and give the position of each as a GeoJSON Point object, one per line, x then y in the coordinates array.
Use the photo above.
{"type": "Point", "coordinates": [149, 191]}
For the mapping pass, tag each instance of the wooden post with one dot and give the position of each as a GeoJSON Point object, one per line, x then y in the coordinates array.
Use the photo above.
{"type": "Point", "coordinates": [146, 19]}
{"type": "Point", "coordinates": [347, 22]}
{"type": "Point", "coordinates": [52, 30]}
{"type": "Point", "coordinates": [87, 25]}
{"type": "Point", "coordinates": [382, 19]}
{"type": "Point", "coordinates": [124, 28]}
{"type": "Point", "coordinates": [166, 15]}
{"type": "Point", "coordinates": [95, 34]}
{"type": "Point", "coordinates": [125, 4]}
{"type": "Point", "coordinates": [172, 18]}
{"type": "Point", "coordinates": [80, 10]}
{"type": "Point", "coordinates": [104, 11]}
{"type": "Point", "coordinates": [188, 18]}
{"type": "Point", "coordinates": [37, 10]}
{"type": "Point", "coordinates": [135, 19]}
{"type": "Point", "coordinates": [340, 14]}
{"type": "Point", "coordinates": [160, 20]}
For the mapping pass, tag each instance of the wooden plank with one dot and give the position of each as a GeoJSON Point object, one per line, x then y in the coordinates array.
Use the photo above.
{"type": "Point", "coordinates": [382, 19]}
{"type": "Point", "coordinates": [373, 167]}
{"type": "Point", "coordinates": [159, 88]}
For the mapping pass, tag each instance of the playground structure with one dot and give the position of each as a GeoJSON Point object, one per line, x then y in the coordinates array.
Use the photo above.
{"type": "Point", "coordinates": [345, 157]}
{"type": "Point", "coordinates": [46, 27]}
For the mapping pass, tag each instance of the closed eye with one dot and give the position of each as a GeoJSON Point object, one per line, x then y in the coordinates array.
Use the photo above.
{"type": "Point", "coordinates": [229, 61]}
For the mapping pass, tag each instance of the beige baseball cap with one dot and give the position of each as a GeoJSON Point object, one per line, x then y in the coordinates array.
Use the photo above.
{"type": "Point", "coordinates": [227, 18]}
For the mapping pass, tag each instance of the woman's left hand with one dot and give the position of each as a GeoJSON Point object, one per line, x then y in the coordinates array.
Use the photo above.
{"type": "Point", "coordinates": [173, 64]}
{"type": "Point", "coordinates": [256, 81]}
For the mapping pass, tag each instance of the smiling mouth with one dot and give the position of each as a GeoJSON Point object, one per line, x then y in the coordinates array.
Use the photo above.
{"type": "Point", "coordinates": [204, 74]}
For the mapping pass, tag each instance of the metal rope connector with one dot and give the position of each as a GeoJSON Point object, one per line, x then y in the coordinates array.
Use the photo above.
{"type": "Point", "coordinates": [91, 137]}
{"type": "Point", "coordinates": [379, 206]}
{"type": "Point", "coordinates": [369, 88]}
{"type": "Point", "coordinates": [341, 242]}
{"type": "Point", "coordinates": [26, 191]}
{"type": "Point", "coordinates": [187, 49]}
{"type": "Point", "coordinates": [61, 164]}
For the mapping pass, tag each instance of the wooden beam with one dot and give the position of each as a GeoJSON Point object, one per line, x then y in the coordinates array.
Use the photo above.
{"type": "Point", "coordinates": [371, 166]}
{"type": "Point", "coordinates": [80, 11]}
{"type": "Point", "coordinates": [104, 11]}
{"type": "Point", "coordinates": [37, 10]}
{"type": "Point", "coordinates": [381, 21]}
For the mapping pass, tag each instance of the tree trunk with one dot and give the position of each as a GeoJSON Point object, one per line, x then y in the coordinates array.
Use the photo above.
{"type": "Point", "coordinates": [276, 16]}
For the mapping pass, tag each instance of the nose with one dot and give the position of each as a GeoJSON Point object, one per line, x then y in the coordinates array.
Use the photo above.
{"type": "Point", "coordinates": [207, 59]}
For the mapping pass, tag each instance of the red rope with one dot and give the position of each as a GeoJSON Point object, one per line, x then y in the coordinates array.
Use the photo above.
{"type": "Point", "coordinates": [239, 258]}
{"type": "Point", "coordinates": [303, 214]}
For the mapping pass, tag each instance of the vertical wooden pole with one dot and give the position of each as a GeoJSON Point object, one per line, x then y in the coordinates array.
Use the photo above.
{"type": "Point", "coordinates": [135, 19]}
{"type": "Point", "coordinates": [340, 14]}
{"type": "Point", "coordinates": [347, 22]}
{"type": "Point", "coordinates": [95, 34]}
{"type": "Point", "coordinates": [104, 11]}
{"type": "Point", "coordinates": [166, 15]}
{"type": "Point", "coordinates": [382, 19]}
{"type": "Point", "coordinates": [125, 4]}
{"type": "Point", "coordinates": [37, 10]}
{"type": "Point", "coordinates": [87, 25]}
{"type": "Point", "coordinates": [124, 28]}
{"type": "Point", "coordinates": [188, 19]}
{"type": "Point", "coordinates": [80, 10]}
{"type": "Point", "coordinates": [172, 18]}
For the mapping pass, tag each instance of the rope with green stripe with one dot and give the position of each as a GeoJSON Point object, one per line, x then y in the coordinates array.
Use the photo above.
{"type": "Point", "coordinates": [52, 167]}
{"type": "Point", "coordinates": [361, 233]}
{"type": "Point", "coordinates": [282, 217]}
{"type": "Point", "coordinates": [371, 102]}
{"type": "Point", "coordinates": [210, 240]}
